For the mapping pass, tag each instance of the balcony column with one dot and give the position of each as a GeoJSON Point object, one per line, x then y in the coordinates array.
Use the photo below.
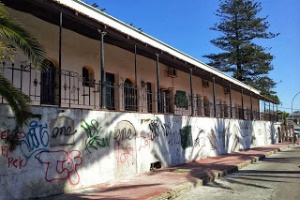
{"type": "Point", "coordinates": [159, 109]}
{"type": "Point", "coordinates": [214, 96]}
{"type": "Point", "coordinates": [102, 81]}
{"type": "Point", "coordinates": [60, 57]}
{"type": "Point", "coordinates": [269, 111]}
{"type": "Point", "coordinates": [135, 66]}
{"type": "Point", "coordinates": [135, 78]}
{"type": "Point", "coordinates": [242, 97]}
{"type": "Point", "coordinates": [191, 90]}
{"type": "Point", "coordinates": [230, 97]}
{"type": "Point", "coordinates": [251, 107]}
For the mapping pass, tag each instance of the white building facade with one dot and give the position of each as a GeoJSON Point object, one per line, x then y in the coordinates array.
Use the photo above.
{"type": "Point", "coordinates": [115, 103]}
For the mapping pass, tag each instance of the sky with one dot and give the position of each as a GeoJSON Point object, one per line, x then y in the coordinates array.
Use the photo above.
{"type": "Point", "coordinates": [184, 25]}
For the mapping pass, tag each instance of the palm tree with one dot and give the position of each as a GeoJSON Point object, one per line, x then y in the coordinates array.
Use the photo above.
{"type": "Point", "coordinates": [13, 37]}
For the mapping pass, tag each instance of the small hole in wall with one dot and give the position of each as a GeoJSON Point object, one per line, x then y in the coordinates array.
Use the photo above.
{"type": "Point", "coordinates": [155, 165]}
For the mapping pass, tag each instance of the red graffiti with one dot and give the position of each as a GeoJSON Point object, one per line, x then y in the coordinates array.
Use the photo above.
{"type": "Point", "coordinates": [61, 165]}
{"type": "Point", "coordinates": [4, 135]}
{"type": "Point", "coordinates": [4, 151]}
{"type": "Point", "coordinates": [125, 155]}
{"type": "Point", "coordinates": [17, 134]}
{"type": "Point", "coordinates": [16, 162]}
{"type": "Point", "coordinates": [13, 162]}
{"type": "Point", "coordinates": [145, 142]}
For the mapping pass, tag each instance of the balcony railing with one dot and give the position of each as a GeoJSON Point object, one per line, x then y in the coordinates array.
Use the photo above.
{"type": "Point", "coordinates": [76, 92]}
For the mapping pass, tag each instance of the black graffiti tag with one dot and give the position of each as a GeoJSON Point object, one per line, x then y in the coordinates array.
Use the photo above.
{"type": "Point", "coordinates": [59, 131]}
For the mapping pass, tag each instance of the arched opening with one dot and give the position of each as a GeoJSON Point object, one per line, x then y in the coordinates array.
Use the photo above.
{"type": "Point", "coordinates": [88, 76]}
{"type": "Point", "coordinates": [49, 84]}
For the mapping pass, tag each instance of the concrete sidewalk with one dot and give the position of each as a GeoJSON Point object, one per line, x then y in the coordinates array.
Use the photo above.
{"type": "Point", "coordinates": [169, 182]}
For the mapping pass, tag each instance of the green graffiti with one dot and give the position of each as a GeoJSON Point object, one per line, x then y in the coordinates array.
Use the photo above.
{"type": "Point", "coordinates": [94, 141]}
{"type": "Point", "coordinates": [186, 137]}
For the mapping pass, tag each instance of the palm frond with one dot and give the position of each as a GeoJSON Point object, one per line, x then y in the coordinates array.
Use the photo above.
{"type": "Point", "coordinates": [25, 41]}
{"type": "Point", "coordinates": [17, 100]}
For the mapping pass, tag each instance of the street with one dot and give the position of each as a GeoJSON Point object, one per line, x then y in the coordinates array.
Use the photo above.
{"type": "Point", "coordinates": [276, 177]}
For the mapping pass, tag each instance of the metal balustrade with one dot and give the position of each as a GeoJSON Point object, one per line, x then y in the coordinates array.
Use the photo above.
{"type": "Point", "coordinates": [75, 92]}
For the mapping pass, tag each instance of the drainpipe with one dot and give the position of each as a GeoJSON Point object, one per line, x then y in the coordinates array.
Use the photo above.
{"type": "Point", "coordinates": [158, 83]}
{"type": "Point", "coordinates": [59, 58]}
{"type": "Point", "coordinates": [214, 96]}
{"type": "Point", "coordinates": [230, 97]}
{"type": "Point", "coordinates": [102, 83]}
{"type": "Point", "coordinates": [191, 90]}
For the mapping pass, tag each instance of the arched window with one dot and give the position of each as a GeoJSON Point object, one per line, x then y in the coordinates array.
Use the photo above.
{"type": "Point", "coordinates": [49, 84]}
{"type": "Point", "coordinates": [130, 96]}
{"type": "Point", "coordinates": [88, 76]}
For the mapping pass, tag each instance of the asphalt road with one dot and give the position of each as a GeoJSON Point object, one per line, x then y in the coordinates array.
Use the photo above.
{"type": "Point", "coordinates": [277, 177]}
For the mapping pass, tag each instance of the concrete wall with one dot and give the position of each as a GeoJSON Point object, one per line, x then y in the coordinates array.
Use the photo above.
{"type": "Point", "coordinates": [73, 148]}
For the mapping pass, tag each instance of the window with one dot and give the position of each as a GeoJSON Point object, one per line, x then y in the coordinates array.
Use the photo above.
{"type": "Point", "coordinates": [206, 105]}
{"type": "Point", "coordinates": [49, 84]}
{"type": "Point", "coordinates": [149, 97]}
{"type": "Point", "coordinates": [164, 105]}
{"type": "Point", "coordinates": [88, 79]}
{"type": "Point", "coordinates": [110, 91]}
{"type": "Point", "coordinates": [130, 96]}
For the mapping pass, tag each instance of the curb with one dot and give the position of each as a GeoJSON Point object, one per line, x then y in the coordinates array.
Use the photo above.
{"type": "Point", "coordinates": [173, 193]}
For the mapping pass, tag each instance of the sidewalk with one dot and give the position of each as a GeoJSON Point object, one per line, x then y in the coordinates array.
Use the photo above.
{"type": "Point", "coordinates": [169, 182]}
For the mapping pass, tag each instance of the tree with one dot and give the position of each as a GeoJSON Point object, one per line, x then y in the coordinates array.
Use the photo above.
{"type": "Point", "coordinates": [13, 38]}
{"type": "Point", "coordinates": [241, 57]}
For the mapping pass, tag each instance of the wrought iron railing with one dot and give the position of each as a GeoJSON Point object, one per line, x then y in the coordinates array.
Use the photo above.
{"type": "Point", "coordinates": [77, 92]}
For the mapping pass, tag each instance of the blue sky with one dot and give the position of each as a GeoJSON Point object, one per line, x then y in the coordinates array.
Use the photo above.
{"type": "Point", "coordinates": [185, 26]}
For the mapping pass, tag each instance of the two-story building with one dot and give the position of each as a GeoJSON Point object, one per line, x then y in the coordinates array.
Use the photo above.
{"type": "Point", "coordinates": [114, 103]}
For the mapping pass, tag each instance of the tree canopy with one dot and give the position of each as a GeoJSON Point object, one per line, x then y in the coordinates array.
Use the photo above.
{"type": "Point", "coordinates": [241, 57]}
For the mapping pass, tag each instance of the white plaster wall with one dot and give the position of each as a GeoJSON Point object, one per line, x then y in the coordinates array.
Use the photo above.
{"type": "Point", "coordinates": [72, 148]}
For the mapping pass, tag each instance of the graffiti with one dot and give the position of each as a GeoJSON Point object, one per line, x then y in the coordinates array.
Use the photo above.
{"type": "Point", "coordinates": [186, 137]}
{"type": "Point", "coordinates": [4, 151]}
{"type": "Point", "coordinates": [15, 133]}
{"type": "Point", "coordinates": [124, 131]}
{"type": "Point", "coordinates": [173, 136]}
{"type": "Point", "coordinates": [125, 155]}
{"type": "Point", "coordinates": [124, 134]}
{"type": "Point", "coordinates": [11, 137]}
{"type": "Point", "coordinates": [62, 131]}
{"type": "Point", "coordinates": [65, 131]}
{"type": "Point", "coordinates": [145, 141]}
{"type": "Point", "coordinates": [35, 141]}
{"type": "Point", "coordinates": [213, 139]}
{"type": "Point", "coordinates": [61, 165]}
{"type": "Point", "coordinates": [13, 162]}
{"type": "Point", "coordinates": [92, 128]}
{"type": "Point", "coordinates": [93, 140]}
{"type": "Point", "coordinates": [154, 128]}
{"type": "Point", "coordinates": [16, 162]}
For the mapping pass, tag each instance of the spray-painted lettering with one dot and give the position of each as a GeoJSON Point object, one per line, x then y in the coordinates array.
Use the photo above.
{"type": "Point", "coordinates": [35, 141]}
{"type": "Point", "coordinates": [61, 165]}
{"type": "Point", "coordinates": [62, 131]}
{"type": "Point", "coordinates": [93, 140]}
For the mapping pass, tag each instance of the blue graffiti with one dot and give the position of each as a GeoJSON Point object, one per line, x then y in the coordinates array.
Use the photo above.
{"type": "Point", "coordinates": [36, 140]}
